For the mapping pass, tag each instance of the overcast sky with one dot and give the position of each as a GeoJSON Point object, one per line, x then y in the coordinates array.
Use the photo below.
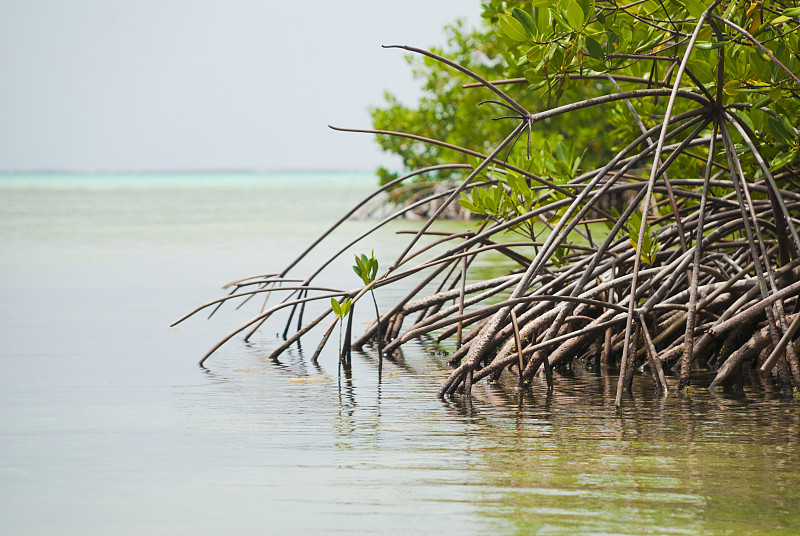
{"type": "Point", "coordinates": [108, 85]}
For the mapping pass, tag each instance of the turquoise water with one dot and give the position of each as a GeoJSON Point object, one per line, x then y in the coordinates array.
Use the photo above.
{"type": "Point", "coordinates": [108, 426]}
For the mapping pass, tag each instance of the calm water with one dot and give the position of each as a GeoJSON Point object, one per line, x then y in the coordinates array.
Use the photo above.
{"type": "Point", "coordinates": [107, 426]}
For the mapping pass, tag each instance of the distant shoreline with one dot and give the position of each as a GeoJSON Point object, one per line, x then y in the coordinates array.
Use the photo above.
{"type": "Point", "coordinates": [186, 172]}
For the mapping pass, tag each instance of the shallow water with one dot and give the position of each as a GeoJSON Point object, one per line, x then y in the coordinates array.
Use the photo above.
{"type": "Point", "coordinates": [107, 425]}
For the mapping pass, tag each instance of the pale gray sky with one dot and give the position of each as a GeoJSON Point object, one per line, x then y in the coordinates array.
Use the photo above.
{"type": "Point", "coordinates": [101, 85]}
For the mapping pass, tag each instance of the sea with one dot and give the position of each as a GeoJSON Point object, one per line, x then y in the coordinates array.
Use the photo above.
{"type": "Point", "coordinates": [108, 425]}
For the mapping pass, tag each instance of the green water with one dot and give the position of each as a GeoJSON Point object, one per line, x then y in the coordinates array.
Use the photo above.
{"type": "Point", "coordinates": [107, 425]}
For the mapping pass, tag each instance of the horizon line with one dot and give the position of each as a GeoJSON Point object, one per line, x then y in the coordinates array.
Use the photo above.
{"type": "Point", "coordinates": [187, 171]}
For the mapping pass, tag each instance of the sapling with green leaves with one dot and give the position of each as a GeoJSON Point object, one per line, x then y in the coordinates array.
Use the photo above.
{"type": "Point", "coordinates": [514, 196]}
{"type": "Point", "coordinates": [650, 244]}
{"type": "Point", "coordinates": [341, 310]}
{"type": "Point", "coordinates": [367, 269]}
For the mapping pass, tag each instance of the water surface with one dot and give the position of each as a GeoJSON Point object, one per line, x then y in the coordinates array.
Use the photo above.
{"type": "Point", "coordinates": [107, 425]}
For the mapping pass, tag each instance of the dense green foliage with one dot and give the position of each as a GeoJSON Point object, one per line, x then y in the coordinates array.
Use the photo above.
{"type": "Point", "coordinates": [559, 52]}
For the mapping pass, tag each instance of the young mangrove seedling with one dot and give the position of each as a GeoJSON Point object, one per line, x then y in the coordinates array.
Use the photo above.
{"type": "Point", "coordinates": [341, 310]}
{"type": "Point", "coordinates": [367, 270]}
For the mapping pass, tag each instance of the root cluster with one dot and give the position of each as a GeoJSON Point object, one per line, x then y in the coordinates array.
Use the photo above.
{"type": "Point", "coordinates": [707, 276]}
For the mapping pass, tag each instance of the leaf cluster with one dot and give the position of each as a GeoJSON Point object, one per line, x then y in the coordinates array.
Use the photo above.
{"type": "Point", "coordinates": [563, 51]}
{"type": "Point", "coordinates": [556, 43]}
{"type": "Point", "coordinates": [366, 267]}
{"type": "Point", "coordinates": [341, 309]}
{"type": "Point", "coordinates": [514, 196]}
{"type": "Point", "coordinates": [650, 243]}
{"type": "Point", "coordinates": [462, 116]}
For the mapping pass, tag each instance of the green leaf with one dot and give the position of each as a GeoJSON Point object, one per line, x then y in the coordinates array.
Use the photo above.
{"type": "Point", "coordinates": [595, 49]}
{"type": "Point", "coordinates": [512, 28]}
{"type": "Point", "coordinates": [625, 37]}
{"type": "Point", "coordinates": [587, 6]}
{"type": "Point", "coordinates": [489, 201]}
{"type": "Point", "coordinates": [702, 70]}
{"type": "Point", "coordinates": [373, 272]}
{"type": "Point", "coordinates": [794, 41]}
{"type": "Point", "coordinates": [557, 258]}
{"type": "Point", "coordinates": [650, 243]}
{"type": "Point", "coordinates": [559, 18]}
{"type": "Point", "coordinates": [792, 12]}
{"type": "Point", "coordinates": [633, 224]}
{"type": "Point", "coordinates": [468, 204]}
{"type": "Point", "coordinates": [707, 45]}
{"type": "Point", "coordinates": [745, 119]}
{"type": "Point", "coordinates": [694, 7]}
{"type": "Point", "coordinates": [601, 18]}
{"type": "Point", "coordinates": [366, 267]}
{"type": "Point", "coordinates": [336, 309]}
{"type": "Point", "coordinates": [731, 87]}
{"type": "Point", "coordinates": [562, 153]}
{"type": "Point", "coordinates": [763, 101]}
{"type": "Point", "coordinates": [779, 131]}
{"type": "Point", "coordinates": [526, 20]}
{"type": "Point", "coordinates": [535, 76]}
{"type": "Point", "coordinates": [562, 169]}
{"type": "Point", "coordinates": [612, 42]}
{"type": "Point", "coordinates": [542, 15]}
{"type": "Point", "coordinates": [759, 119]}
{"type": "Point", "coordinates": [650, 248]}
{"type": "Point", "coordinates": [517, 183]}
{"type": "Point", "coordinates": [555, 55]}
{"type": "Point", "coordinates": [574, 15]}
{"type": "Point", "coordinates": [782, 159]}
{"type": "Point", "coordinates": [762, 69]}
